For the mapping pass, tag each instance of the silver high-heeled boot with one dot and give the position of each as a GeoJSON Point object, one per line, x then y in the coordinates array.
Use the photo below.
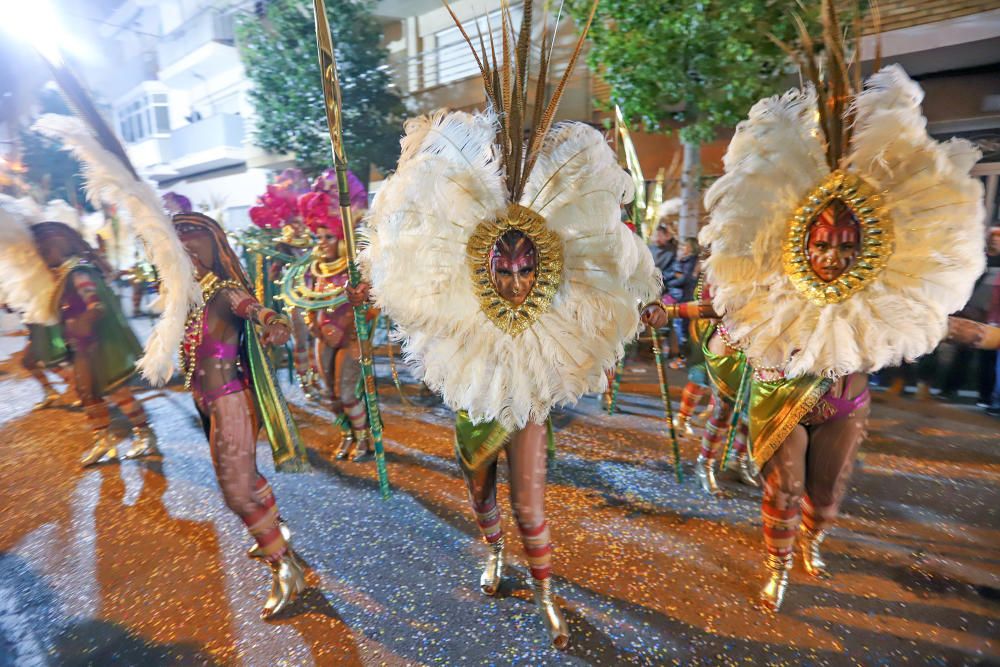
{"type": "Point", "coordinates": [489, 581]}
{"type": "Point", "coordinates": [773, 593]}
{"type": "Point", "coordinates": [704, 470]}
{"type": "Point", "coordinates": [551, 615]}
{"type": "Point", "coordinates": [812, 559]}
{"type": "Point", "coordinates": [104, 449]}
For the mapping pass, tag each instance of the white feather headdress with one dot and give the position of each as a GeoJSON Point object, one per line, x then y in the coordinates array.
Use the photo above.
{"type": "Point", "coordinates": [109, 180]}
{"type": "Point", "coordinates": [447, 183]}
{"type": "Point", "coordinates": [58, 210]}
{"type": "Point", "coordinates": [775, 160]}
{"type": "Point", "coordinates": [28, 285]}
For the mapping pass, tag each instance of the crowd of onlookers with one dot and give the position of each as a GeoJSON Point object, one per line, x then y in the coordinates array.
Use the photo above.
{"type": "Point", "coordinates": [943, 374]}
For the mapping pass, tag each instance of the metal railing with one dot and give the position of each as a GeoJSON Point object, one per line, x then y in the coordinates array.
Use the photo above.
{"type": "Point", "coordinates": [208, 25]}
{"type": "Point", "coordinates": [224, 130]}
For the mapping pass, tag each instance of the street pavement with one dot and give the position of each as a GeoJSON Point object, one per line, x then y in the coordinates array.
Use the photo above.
{"type": "Point", "coordinates": [141, 563]}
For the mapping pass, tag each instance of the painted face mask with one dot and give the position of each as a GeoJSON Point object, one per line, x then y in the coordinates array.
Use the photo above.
{"type": "Point", "coordinates": [834, 241]}
{"type": "Point", "coordinates": [513, 264]}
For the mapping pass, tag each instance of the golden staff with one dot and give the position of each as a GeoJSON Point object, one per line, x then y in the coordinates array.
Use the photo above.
{"type": "Point", "coordinates": [334, 122]}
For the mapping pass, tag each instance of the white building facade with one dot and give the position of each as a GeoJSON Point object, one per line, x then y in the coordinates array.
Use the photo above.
{"type": "Point", "coordinates": [171, 78]}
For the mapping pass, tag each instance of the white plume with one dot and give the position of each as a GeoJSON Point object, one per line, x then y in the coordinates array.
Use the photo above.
{"type": "Point", "coordinates": [28, 285]}
{"type": "Point", "coordinates": [109, 180]}
{"type": "Point", "coordinates": [58, 210]}
{"type": "Point", "coordinates": [773, 162]}
{"type": "Point", "coordinates": [449, 180]}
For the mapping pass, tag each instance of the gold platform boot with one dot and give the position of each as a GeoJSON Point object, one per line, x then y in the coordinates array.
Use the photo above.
{"type": "Point", "coordinates": [551, 615]}
{"type": "Point", "coordinates": [345, 445]}
{"type": "Point", "coordinates": [773, 593]}
{"type": "Point", "coordinates": [104, 449]}
{"type": "Point", "coordinates": [288, 579]}
{"type": "Point", "coordinates": [50, 398]}
{"type": "Point", "coordinates": [489, 581]}
{"type": "Point", "coordinates": [363, 446]}
{"type": "Point", "coordinates": [704, 469]}
{"type": "Point", "coordinates": [812, 559]}
{"type": "Point", "coordinates": [143, 443]}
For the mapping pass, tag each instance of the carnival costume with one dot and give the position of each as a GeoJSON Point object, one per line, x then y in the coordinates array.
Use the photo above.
{"type": "Point", "coordinates": [723, 368]}
{"type": "Point", "coordinates": [101, 345]}
{"type": "Point", "coordinates": [513, 283]}
{"type": "Point", "coordinates": [842, 237]}
{"type": "Point", "coordinates": [279, 239]}
{"type": "Point", "coordinates": [224, 361]}
{"type": "Point", "coordinates": [314, 287]}
{"type": "Point", "coordinates": [23, 275]}
{"type": "Point", "coordinates": [234, 390]}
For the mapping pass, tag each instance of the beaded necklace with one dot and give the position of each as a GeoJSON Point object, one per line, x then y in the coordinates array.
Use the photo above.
{"type": "Point", "coordinates": [194, 326]}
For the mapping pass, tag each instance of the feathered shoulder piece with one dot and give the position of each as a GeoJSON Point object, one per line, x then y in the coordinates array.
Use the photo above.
{"type": "Point", "coordinates": [497, 248]}
{"type": "Point", "coordinates": [842, 234]}
{"type": "Point", "coordinates": [110, 177]}
{"type": "Point", "coordinates": [25, 281]}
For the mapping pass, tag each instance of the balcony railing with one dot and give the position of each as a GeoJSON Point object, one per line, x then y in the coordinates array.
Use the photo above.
{"type": "Point", "coordinates": [208, 25]}
{"type": "Point", "coordinates": [223, 130]}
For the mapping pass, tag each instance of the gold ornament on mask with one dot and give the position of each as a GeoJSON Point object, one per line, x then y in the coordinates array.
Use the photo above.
{"type": "Point", "coordinates": [510, 317]}
{"type": "Point", "coordinates": [875, 239]}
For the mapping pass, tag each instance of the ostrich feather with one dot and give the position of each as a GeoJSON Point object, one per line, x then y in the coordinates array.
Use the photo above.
{"type": "Point", "coordinates": [58, 210]}
{"type": "Point", "coordinates": [109, 179]}
{"type": "Point", "coordinates": [28, 285]}
{"type": "Point", "coordinates": [775, 160]}
{"type": "Point", "coordinates": [449, 180]}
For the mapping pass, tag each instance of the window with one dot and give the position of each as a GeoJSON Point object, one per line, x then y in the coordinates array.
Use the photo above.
{"type": "Point", "coordinates": [145, 116]}
{"type": "Point", "coordinates": [453, 59]}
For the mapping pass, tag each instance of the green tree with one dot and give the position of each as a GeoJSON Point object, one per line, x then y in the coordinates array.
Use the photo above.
{"type": "Point", "coordinates": [694, 64]}
{"type": "Point", "coordinates": [279, 53]}
{"type": "Point", "coordinates": [51, 171]}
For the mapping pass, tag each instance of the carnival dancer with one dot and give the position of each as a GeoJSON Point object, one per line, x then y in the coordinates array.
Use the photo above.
{"type": "Point", "coordinates": [280, 238]}
{"type": "Point", "coordinates": [23, 275]}
{"type": "Point", "coordinates": [315, 288]}
{"type": "Point", "coordinates": [505, 265]}
{"type": "Point", "coordinates": [102, 346]}
{"type": "Point", "coordinates": [842, 237]}
{"type": "Point", "coordinates": [723, 369]}
{"type": "Point", "coordinates": [234, 393]}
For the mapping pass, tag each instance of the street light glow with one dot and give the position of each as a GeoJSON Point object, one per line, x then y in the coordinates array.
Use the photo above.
{"type": "Point", "coordinates": [34, 22]}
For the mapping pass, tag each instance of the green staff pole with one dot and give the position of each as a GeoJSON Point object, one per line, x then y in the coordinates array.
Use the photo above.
{"type": "Point", "coordinates": [332, 99]}
{"type": "Point", "coordinates": [668, 409]}
{"type": "Point", "coordinates": [738, 406]}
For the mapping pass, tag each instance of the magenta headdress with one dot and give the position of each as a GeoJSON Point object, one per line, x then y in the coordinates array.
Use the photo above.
{"type": "Point", "coordinates": [179, 201]}
{"type": "Point", "coordinates": [319, 209]}
{"type": "Point", "coordinates": [275, 208]}
{"type": "Point", "coordinates": [327, 182]}
{"type": "Point", "coordinates": [294, 180]}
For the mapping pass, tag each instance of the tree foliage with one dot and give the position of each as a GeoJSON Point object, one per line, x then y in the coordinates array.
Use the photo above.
{"type": "Point", "coordinates": [279, 53]}
{"type": "Point", "coordinates": [51, 172]}
{"type": "Point", "coordinates": [699, 64]}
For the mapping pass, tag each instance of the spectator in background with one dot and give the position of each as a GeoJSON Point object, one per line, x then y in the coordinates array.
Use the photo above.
{"type": "Point", "coordinates": [993, 318]}
{"type": "Point", "coordinates": [664, 249]}
{"type": "Point", "coordinates": [977, 309]}
{"type": "Point", "coordinates": [680, 287]}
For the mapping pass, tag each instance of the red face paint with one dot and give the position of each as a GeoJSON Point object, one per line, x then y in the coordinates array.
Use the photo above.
{"type": "Point", "coordinates": [513, 263]}
{"type": "Point", "coordinates": [834, 242]}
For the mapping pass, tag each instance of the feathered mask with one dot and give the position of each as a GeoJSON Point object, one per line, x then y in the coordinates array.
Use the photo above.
{"type": "Point", "coordinates": [466, 181]}
{"type": "Point", "coordinates": [842, 234]}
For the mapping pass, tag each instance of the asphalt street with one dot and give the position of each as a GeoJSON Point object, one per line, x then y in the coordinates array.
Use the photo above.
{"type": "Point", "coordinates": [140, 563]}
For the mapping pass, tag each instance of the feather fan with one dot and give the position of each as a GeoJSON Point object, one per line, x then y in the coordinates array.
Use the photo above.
{"type": "Point", "coordinates": [28, 285]}
{"type": "Point", "coordinates": [111, 179]}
